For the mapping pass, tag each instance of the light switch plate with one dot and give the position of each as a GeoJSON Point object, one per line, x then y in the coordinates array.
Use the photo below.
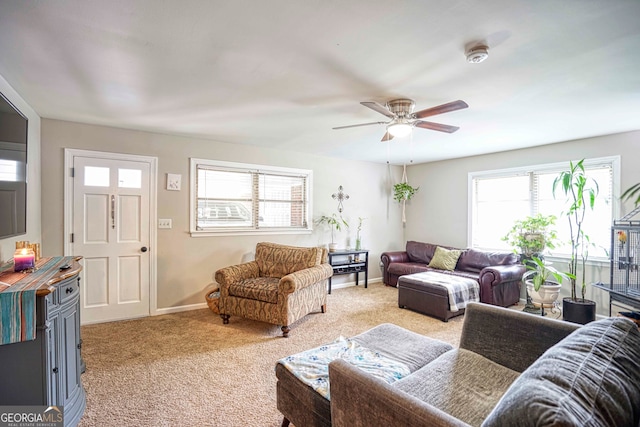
{"type": "Point", "coordinates": [164, 223]}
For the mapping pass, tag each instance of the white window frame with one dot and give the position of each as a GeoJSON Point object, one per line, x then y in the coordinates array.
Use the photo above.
{"type": "Point", "coordinates": [254, 169]}
{"type": "Point", "coordinates": [613, 161]}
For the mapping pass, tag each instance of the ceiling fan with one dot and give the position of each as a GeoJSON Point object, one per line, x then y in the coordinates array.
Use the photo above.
{"type": "Point", "coordinates": [403, 119]}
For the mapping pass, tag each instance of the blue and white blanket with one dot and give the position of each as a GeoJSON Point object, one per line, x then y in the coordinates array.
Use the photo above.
{"type": "Point", "coordinates": [461, 290]}
{"type": "Point", "coordinates": [312, 366]}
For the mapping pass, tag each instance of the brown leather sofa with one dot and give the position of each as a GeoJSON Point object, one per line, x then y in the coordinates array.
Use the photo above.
{"type": "Point", "coordinates": [498, 273]}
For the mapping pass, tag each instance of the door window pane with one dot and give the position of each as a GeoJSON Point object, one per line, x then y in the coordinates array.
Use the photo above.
{"type": "Point", "coordinates": [8, 170]}
{"type": "Point", "coordinates": [95, 176]}
{"type": "Point", "coordinates": [129, 178]}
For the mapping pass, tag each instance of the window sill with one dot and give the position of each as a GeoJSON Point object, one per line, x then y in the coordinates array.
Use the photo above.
{"type": "Point", "coordinates": [593, 261]}
{"type": "Point", "coordinates": [223, 233]}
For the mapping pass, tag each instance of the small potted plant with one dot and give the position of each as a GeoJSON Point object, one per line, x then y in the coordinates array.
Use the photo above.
{"type": "Point", "coordinates": [358, 230]}
{"type": "Point", "coordinates": [532, 235]}
{"type": "Point", "coordinates": [403, 192]}
{"type": "Point", "coordinates": [336, 223]}
{"type": "Point", "coordinates": [541, 286]}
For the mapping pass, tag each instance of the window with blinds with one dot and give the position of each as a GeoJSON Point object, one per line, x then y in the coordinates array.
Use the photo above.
{"type": "Point", "coordinates": [240, 198]}
{"type": "Point", "coordinates": [499, 198]}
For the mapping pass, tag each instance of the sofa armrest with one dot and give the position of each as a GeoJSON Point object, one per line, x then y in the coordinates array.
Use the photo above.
{"type": "Point", "coordinates": [232, 274]}
{"type": "Point", "coordinates": [397, 256]}
{"type": "Point", "coordinates": [501, 284]}
{"type": "Point", "coordinates": [496, 274]}
{"type": "Point", "coordinates": [509, 337]}
{"type": "Point", "coordinates": [389, 257]}
{"type": "Point", "coordinates": [359, 399]}
{"type": "Point", "coordinates": [302, 278]}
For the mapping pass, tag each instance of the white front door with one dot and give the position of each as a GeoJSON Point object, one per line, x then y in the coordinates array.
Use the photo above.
{"type": "Point", "coordinates": [111, 228]}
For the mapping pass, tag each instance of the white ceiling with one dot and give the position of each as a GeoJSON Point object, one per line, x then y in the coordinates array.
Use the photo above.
{"type": "Point", "coordinates": [282, 73]}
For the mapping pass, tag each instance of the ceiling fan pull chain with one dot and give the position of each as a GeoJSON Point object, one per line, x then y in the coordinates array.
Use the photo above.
{"type": "Point", "coordinates": [411, 147]}
{"type": "Point", "coordinates": [388, 154]}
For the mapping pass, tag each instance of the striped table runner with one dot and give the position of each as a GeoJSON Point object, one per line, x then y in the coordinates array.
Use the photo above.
{"type": "Point", "coordinates": [18, 298]}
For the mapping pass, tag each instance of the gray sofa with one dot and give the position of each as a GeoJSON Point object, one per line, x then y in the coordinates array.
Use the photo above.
{"type": "Point", "coordinates": [511, 368]}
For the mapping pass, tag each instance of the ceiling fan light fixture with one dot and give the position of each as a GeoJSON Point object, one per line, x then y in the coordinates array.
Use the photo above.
{"type": "Point", "coordinates": [399, 130]}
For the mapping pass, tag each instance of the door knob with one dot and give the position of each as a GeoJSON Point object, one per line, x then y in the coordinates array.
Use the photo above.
{"type": "Point", "coordinates": [144, 249]}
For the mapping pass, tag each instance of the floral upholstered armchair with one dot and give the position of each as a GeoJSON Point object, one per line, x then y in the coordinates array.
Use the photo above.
{"type": "Point", "coordinates": [282, 285]}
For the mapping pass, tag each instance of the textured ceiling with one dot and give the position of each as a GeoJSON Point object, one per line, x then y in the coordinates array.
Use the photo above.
{"type": "Point", "coordinates": [282, 73]}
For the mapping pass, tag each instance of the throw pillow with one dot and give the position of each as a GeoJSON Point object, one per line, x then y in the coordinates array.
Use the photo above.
{"type": "Point", "coordinates": [445, 259]}
{"type": "Point", "coordinates": [590, 378]}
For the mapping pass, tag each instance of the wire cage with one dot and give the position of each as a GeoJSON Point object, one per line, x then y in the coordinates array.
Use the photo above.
{"type": "Point", "coordinates": [625, 256]}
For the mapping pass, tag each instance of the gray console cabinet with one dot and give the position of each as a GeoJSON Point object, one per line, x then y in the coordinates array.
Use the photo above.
{"type": "Point", "coordinates": [47, 371]}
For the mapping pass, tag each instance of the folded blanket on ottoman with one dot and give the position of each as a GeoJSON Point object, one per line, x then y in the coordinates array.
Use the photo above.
{"type": "Point", "coordinates": [461, 290]}
{"type": "Point", "coordinates": [312, 366]}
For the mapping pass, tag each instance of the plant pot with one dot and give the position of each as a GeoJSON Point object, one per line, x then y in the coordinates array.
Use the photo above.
{"type": "Point", "coordinates": [333, 247]}
{"type": "Point", "coordinates": [581, 311]}
{"type": "Point", "coordinates": [546, 295]}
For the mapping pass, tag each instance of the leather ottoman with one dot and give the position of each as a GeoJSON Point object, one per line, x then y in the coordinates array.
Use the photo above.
{"type": "Point", "coordinates": [427, 293]}
{"type": "Point", "coordinates": [304, 407]}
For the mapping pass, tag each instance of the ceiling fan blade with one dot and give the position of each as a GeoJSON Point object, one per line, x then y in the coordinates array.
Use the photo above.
{"type": "Point", "coordinates": [379, 108]}
{"type": "Point", "coordinates": [387, 137]}
{"type": "Point", "coordinates": [441, 109]}
{"type": "Point", "coordinates": [361, 124]}
{"type": "Point", "coordinates": [435, 126]}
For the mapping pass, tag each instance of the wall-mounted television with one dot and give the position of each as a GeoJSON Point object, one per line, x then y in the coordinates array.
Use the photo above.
{"type": "Point", "coordinates": [13, 170]}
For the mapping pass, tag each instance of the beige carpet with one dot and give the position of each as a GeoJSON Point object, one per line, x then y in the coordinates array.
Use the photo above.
{"type": "Point", "coordinates": [188, 369]}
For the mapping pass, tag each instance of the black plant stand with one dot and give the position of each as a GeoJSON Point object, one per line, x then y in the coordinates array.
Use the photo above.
{"type": "Point", "coordinates": [530, 308]}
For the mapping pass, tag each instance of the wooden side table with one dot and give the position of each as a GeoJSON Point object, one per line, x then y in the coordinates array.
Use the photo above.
{"type": "Point", "coordinates": [350, 262]}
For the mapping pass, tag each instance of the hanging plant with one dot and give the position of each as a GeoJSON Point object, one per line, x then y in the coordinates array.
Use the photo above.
{"type": "Point", "coordinates": [403, 191]}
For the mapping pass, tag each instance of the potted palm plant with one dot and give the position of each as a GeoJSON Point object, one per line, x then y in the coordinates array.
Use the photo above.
{"type": "Point", "coordinates": [580, 194]}
{"type": "Point", "coordinates": [336, 223]}
{"type": "Point", "coordinates": [540, 283]}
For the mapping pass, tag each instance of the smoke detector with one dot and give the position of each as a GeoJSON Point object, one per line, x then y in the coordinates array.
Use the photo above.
{"type": "Point", "coordinates": [477, 54]}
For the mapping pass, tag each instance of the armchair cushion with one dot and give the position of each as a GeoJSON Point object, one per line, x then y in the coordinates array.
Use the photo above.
{"type": "Point", "coordinates": [279, 260]}
{"type": "Point", "coordinates": [260, 289]}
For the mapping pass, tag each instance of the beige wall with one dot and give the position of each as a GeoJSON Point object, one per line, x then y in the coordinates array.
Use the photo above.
{"type": "Point", "coordinates": [438, 213]}
{"type": "Point", "coordinates": [7, 246]}
{"type": "Point", "coordinates": [186, 264]}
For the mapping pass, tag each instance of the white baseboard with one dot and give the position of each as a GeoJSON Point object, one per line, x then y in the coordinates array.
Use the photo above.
{"type": "Point", "coordinates": [178, 309]}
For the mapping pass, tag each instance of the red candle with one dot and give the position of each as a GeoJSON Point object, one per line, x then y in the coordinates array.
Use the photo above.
{"type": "Point", "coordinates": [24, 259]}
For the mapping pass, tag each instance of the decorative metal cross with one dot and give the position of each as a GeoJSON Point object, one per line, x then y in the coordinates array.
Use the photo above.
{"type": "Point", "coordinates": [340, 196]}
